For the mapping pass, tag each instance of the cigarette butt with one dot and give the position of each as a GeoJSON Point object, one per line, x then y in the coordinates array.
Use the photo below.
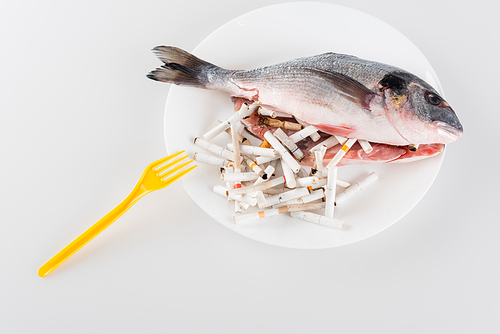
{"type": "Point", "coordinates": [413, 147]}
{"type": "Point", "coordinates": [223, 191]}
{"type": "Point", "coordinates": [366, 146]}
{"type": "Point", "coordinates": [340, 139]}
{"type": "Point", "coordinates": [343, 184]}
{"type": "Point", "coordinates": [239, 115]}
{"type": "Point", "coordinates": [289, 176]}
{"type": "Point", "coordinates": [330, 192]}
{"type": "Point", "coordinates": [297, 153]}
{"type": "Point", "coordinates": [319, 154]}
{"type": "Point", "coordinates": [214, 148]}
{"type": "Point", "coordinates": [263, 160]}
{"type": "Point", "coordinates": [275, 143]}
{"type": "Point", "coordinates": [315, 195]}
{"type": "Point", "coordinates": [209, 159]}
{"type": "Point", "coordinates": [341, 153]}
{"type": "Point", "coordinates": [274, 212]}
{"type": "Point", "coordinates": [262, 186]}
{"type": "Point", "coordinates": [317, 219]}
{"type": "Point", "coordinates": [238, 177]}
{"type": "Point", "coordinates": [255, 150]}
{"type": "Point", "coordinates": [286, 196]}
{"type": "Point", "coordinates": [329, 142]}
{"type": "Point", "coordinates": [256, 168]}
{"type": "Point", "coordinates": [355, 188]}
{"type": "Point", "coordinates": [307, 181]}
{"type": "Point", "coordinates": [304, 133]}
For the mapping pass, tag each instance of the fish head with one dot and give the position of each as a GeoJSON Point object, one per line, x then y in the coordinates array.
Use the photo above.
{"type": "Point", "coordinates": [417, 111]}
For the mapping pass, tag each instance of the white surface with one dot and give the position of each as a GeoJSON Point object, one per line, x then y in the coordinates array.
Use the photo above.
{"type": "Point", "coordinates": [79, 122]}
{"type": "Point", "coordinates": [401, 186]}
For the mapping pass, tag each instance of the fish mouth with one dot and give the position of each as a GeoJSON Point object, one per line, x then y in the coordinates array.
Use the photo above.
{"type": "Point", "coordinates": [448, 130]}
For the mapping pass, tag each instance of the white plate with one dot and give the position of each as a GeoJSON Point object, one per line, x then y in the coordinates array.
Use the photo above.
{"type": "Point", "coordinates": [278, 33]}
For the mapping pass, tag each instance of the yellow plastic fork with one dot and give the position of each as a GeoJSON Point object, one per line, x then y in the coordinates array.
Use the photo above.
{"type": "Point", "coordinates": [153, 178]}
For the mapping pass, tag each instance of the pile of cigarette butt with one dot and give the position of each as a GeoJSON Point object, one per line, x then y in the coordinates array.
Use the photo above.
{"type": "Point", "coordinates": [270, 178]}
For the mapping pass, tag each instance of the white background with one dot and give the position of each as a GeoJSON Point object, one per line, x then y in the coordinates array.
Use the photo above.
{"type": "Point", "coordinates": [79, 122]}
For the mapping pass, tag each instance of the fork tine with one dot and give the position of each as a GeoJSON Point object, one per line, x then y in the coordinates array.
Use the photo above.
{"type": "Point", "coordinates": [170, 164]}
{"type": "Point", "coordinates": [179, 175]}
{"type": "Point", "coordinates": [162, 160]}
{"type": "Point", "coordinates": [175, 169]}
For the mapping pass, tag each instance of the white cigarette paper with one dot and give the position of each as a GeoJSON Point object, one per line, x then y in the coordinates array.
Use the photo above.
{"type": "Point", "coordinates": [318, 219]}
{"type": "Point", "coordinates": [214, 148]}
{"type": "Point", "coordinates": [275, 143]}
{"type": "Point", "coordinates": [239, 115]}
{"type": "Point", "coordinates": [341, 153]}
{"type": "Point", "coordinates": [281, 135]}
{"type": "Point", "coordinates": [356, 188]}
{"type": "Point", "coordinates": [330, 191]}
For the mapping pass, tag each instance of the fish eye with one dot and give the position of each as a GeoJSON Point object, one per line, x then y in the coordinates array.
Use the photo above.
{"type": "Point", "coordinates": [432, 99]}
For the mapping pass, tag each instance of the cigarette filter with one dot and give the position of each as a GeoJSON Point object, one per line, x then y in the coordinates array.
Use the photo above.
{"type": "Point", "coordinates": [318, 219]}
{"type": "Point", "coordinates": [297, 153]}
{"type": "Point", "coordinates": [330, 191]}
{"type": "Point", "coordinates": [356, 188]}
{"type": "Point", "coordinates": [275, 143]}
{"type": "Point", "coordinates": [341, 153]}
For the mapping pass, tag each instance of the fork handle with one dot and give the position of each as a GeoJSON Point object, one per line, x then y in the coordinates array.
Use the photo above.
{"type": "Point", "coordinates": [92, 232]}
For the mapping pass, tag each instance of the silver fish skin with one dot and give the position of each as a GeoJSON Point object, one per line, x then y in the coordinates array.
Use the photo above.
{"type": "Point", "coordinates": [339, 94]}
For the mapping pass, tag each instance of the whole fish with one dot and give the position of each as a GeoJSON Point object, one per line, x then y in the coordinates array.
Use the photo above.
{"type": "Point", "coordinates": [337, 93]}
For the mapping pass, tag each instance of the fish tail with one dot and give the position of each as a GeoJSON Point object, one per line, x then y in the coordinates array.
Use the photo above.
{"type": "Point", "coordinates": [181, 68]}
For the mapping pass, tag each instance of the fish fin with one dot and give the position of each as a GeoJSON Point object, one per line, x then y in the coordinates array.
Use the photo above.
{"type": "Point", "coordinates": [334, 130]}
{"type": "Point", "coordinates": [353, 90]}
{"type": "Point", "coordinates": [180, 67]}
